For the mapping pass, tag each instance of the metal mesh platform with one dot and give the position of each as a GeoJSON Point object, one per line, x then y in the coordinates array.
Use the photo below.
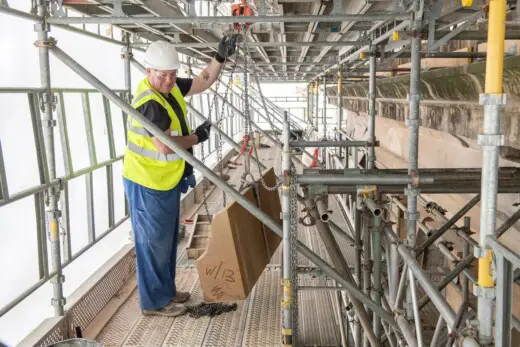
{"type": "Point", "coordinates": [257, 320]}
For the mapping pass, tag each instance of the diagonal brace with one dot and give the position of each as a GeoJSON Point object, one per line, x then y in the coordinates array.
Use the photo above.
{"type": "Point", "coordinates": [438, 233]}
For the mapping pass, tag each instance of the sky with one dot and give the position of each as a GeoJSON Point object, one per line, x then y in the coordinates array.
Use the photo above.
{"type": "Point", "coordinates": [18, 248]}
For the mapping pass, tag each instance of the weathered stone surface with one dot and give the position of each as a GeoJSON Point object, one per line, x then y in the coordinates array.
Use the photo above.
{"type": "Point", "coordinates": [449, 101]}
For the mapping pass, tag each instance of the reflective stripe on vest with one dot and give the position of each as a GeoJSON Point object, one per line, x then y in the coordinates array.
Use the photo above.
{"type": "Point", "coordinates": [142, 95]}
{"type": "Point", "coordinates": [137, 130]}
{"type": "Point", "coordinates": [152, 154]}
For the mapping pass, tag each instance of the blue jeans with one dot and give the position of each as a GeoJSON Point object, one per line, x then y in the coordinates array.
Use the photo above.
{"type": "Point", "coordinates": [154, 216]}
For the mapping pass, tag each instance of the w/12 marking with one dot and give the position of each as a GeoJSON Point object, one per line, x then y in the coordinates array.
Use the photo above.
{"type": "Point", "coordinates": [227, 275]}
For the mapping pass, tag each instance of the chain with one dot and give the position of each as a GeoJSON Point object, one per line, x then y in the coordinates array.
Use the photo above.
{"type": "Point", "coordinates": [246, 141]}
{"type": "Point", "coordinates": [219, 121]}
{"type": "Point", "coordinates": [248, 120]}
{"type": "Point", "coordinates": [248, 127]}
{"type": "Point", "coordinates": [211, 310]}
{"type": "Point", "coordinates": [293, 192]}
{"type": "Point", "coordinates": [267, 113]}
{"type": "Point", "coordinates": [220, 142]}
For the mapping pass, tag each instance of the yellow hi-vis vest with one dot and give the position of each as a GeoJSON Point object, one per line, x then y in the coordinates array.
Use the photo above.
{"type": "Point", "coordinates": [142, 163]}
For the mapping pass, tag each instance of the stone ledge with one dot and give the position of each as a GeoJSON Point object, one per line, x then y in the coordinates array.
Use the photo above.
{"type": "Point", "coordinates": [463, 83]}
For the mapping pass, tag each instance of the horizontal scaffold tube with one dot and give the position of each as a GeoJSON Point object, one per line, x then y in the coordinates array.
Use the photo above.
{"type": "Point", "coordinates": [329, 143]}
{"type": "Point", "coordinates": [360, 179]}
{"type": "Point", "coordinates": [367, 17]}
{"type": "Point", "coordinates": [434, 188]}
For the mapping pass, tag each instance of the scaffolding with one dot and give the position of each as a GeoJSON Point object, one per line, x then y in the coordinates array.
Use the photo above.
{"type": "Point", "coordinates": [386, 309]}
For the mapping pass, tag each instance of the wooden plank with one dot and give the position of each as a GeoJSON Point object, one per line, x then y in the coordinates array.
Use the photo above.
{"type": "Point", "coordinates": [199, 236]}
{"type": "Point", "coordinates": [238, 251]}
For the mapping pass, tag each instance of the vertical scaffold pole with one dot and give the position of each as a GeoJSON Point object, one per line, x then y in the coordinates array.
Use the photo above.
{"type": "Point", "coordinates": [372, 110]}
{"type": "Point", "coordinates": [127, 56]}
{"type": "Point", "coordinates": [324, 116]}
{"type": "Point", "coordinates": [491, 139]}
{"type": "Point", "coordinates": [317, 92]}
{"type": "Point", "coordinates": [48, 123]}
{"type": "Point", "coordinates": [309, 106]}
{"type": "Point", "coordinates": [413, 123]}
{"type": "Point", "coordinates": [287, 335]}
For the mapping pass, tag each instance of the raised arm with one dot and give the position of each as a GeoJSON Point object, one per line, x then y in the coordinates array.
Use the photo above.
{"type": "Point", "coordinates": [208, 76]}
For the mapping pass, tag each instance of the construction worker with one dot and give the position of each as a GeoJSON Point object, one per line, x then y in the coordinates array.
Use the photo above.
{"type": "Point", "coordinates": [154, 176]}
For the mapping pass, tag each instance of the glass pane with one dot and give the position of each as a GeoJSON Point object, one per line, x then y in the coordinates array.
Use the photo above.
{"type": "Point", "coordinates": [77, 132]}
{"type": "Point", "coordinates": [78, 213]}
{"type": "Point", "coordinates": [100, 200]}
{"type": "Point", "coordinates": [18, 146]}
{"type": "Point", "coordinates": [99, 127]}
{"type": "Point", "coordinates": [19, 248]}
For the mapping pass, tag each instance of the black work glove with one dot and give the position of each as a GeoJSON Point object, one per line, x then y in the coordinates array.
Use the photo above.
{"type": "Point", "coordinates": [226, 48]}
{"type": "Point", "coordinates": [202, 131]}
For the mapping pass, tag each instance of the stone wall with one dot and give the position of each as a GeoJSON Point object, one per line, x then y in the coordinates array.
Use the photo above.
{"type": "Point", "coordinates": [449, 101]}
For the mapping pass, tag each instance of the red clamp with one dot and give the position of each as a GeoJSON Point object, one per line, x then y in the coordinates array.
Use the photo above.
{"type": "Point", "coordinates": [246, 145]}
{"type": "Point", "coordinates": [241, 9]}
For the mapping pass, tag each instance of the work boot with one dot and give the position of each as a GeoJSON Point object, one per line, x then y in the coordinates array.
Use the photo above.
{"type": "Point", "coordinates": [173, 309]}
{"type": "Point", "coordinates": [181, 297]}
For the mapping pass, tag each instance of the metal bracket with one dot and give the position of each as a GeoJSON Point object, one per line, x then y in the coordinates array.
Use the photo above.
{"type": "Point", "coordinates": [486, 293]}
{"type": "Point", "coordinates": [286, 302]}
{"type": "Point", "coordinates": [412, 215]}
{"type": "Point", "coordinates": [491, 140]}
{"type": "Point", "coordinates": [286, 283]}
{"type": "Point", "coordinates": [368, 266]}
{"type": "Point", "coordinates": [310, 223]}
{"type": "Point", "coordinates": [366, 191]}
{"type": "Point", "coordinates": [57, 9]}
{"type": "Point", "coordinates": [411, 192]}
{"type": "Point", "coordinates": [42, 97]}
{"type": "Point", "coordinates": [285, 216]}
{"type": "Point", "coordinates": [59, 302]}
{"type": "Point", "coordinates": [449, 246]}
{"type": "Point", "coordinates": [118, 9]}
{"type": "Point", "coordinates": [54, 214]}
{"type": "Point", "coordinates": [432, 205]}
{"type": "Point", "coordinates": [49, 43]}
{"type": "Point", "coordinates": [48, 123]}
{"type": "Point", "coordinates": [415, 180]}
{"type": "Point", "coordinates": [317, 189]}
{"type": "Point", "coordinates": [125, 54]}
{"type": "Point", "coordinates": [493, 99]}
{"type": "Point", "coordinates": [477, 252]}
{"type": "Point", "coordinates": [57, 279]}
{"type": "Point", "coordinates": [55, 190]}
{"type": "Point", "coordinates": [42, 27]}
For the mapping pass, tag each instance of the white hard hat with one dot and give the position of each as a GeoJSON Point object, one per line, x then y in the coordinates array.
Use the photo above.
{"type": "Point", "coordinates": [161, 55]}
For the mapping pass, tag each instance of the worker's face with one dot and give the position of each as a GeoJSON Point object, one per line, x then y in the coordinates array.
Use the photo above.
{"type": "Point", "coordinates": [162, 80]}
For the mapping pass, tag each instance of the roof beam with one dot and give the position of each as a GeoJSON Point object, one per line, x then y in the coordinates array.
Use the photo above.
{"type": "Point", "coordinates": [317, 11]}
{"type": "Point", "coordinates": [264, 44]}
{"type": "Point", "coordinates": [345, 27]}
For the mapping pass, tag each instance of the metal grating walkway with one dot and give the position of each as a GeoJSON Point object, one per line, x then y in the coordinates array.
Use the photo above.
{"type": "Point", "coordinates": [256, 322]}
